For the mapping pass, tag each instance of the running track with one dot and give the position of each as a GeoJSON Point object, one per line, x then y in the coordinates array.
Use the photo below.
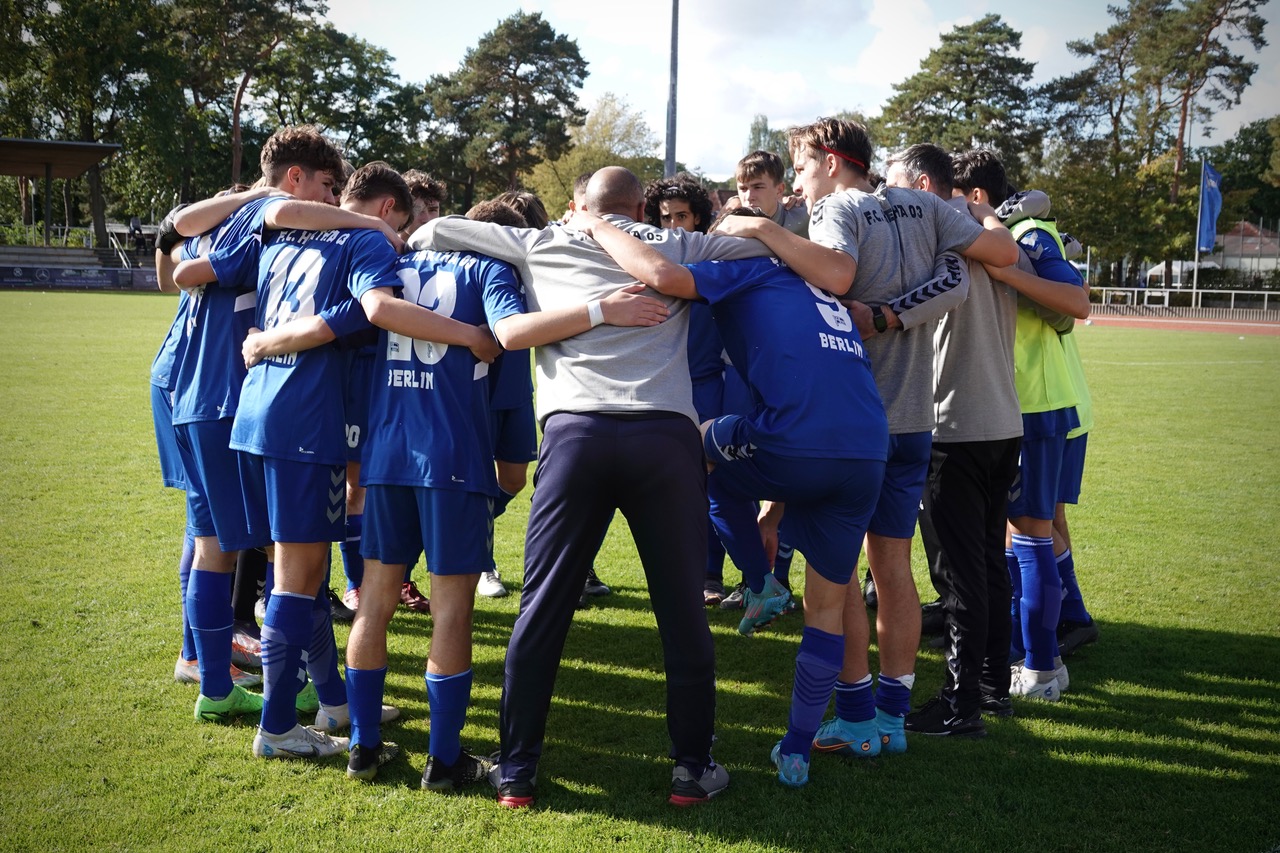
{"type": "Point", "coordinates": [1232, 327]}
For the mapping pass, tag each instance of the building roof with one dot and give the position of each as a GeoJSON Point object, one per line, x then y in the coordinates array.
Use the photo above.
{"type": "Point", "coordinates": [28, 157]}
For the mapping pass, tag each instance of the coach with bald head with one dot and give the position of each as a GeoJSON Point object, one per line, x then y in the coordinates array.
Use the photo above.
{"type": "Point", "coordinates": [619, 432]}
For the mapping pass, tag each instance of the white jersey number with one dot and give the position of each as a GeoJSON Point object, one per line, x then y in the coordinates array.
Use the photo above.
{"type": "Point", "coordinates": [832, 311]}
{"type": "Point", "coordinates": [439, 294]}
{"type": "Point", "coordinates": [291, 290]}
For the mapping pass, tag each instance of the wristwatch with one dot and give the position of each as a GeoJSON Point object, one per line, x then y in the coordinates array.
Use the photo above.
{"type": "Point", "coordinates": [878, 320]}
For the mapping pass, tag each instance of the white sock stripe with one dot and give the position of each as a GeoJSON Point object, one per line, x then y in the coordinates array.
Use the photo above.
{"type": "Point", "coordinates": [1064, 555]}
{"type": "Point", "coordinates": [301, 595]}
{"type": "Point", "coordinates": [1023, 539]}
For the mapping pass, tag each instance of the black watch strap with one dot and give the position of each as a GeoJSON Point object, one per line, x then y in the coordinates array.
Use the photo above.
{"type": "Point", "coordinates": [878, 319]}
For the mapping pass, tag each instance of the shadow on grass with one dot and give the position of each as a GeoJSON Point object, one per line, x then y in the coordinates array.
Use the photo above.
{"type": "Point", "coordinates": [1161, 727]}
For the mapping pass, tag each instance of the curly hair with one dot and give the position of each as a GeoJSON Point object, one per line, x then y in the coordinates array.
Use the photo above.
{"type": "Point", "coordinates": [303, 146]}
{"type": "Point", "coordinates": [681, 188]}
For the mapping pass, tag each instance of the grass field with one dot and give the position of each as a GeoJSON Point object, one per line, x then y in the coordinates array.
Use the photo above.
{"type": "Point", "coordinates": [1168, 740]}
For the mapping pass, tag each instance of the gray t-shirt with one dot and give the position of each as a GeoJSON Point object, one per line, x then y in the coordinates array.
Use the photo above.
{"type": "Point", "coordinates": [607, 368]}
{"type": "Point", "coordinates": [895, 240]}
{"type": "Point", "coordinates": [795, 220]}
{"type": "Point", "coordinates": [975, 396]}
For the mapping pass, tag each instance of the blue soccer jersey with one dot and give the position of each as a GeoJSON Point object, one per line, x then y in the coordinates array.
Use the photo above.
{"type": "Point", "coordinates": [292, 404]}
{"type": "Point", "coordinates": [802, 358]}
{"type": "Point", "coordinates": [211, 370]}
{"type": "Point", "coordinates": [164, 365]}
{"type": "Point", "coordinates": [511, 375]}
{"type": "Point", "coordinates": [429, 407]}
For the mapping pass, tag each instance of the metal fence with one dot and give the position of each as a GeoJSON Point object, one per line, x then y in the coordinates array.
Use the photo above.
{"type": "Point", "coordinates": [1201, 304]}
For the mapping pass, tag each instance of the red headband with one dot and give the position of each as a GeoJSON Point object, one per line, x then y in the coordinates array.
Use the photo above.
{"type": "Point", "coordinates": [854, 160]}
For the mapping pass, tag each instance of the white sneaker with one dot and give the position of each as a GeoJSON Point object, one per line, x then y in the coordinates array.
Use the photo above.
{"type": "Point", "coordinates": [1034, 684]}
{"type": "Point", "coordinates": [490, 585]}
{"type": "Point", "coordinates": [1060, 675]}
{"type": "Point", "coordinates": [298, 742]}
{"type": "Point", "coordinates": [338, 717]}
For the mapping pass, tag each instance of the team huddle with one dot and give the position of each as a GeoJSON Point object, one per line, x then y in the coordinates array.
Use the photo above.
{"type": "Point", "coordinates": [806, 373]}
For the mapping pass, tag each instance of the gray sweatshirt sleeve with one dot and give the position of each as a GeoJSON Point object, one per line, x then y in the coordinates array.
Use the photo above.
{"type": "Point", "coordinates": [459, 234]}
{"type": "Point", "coordinates": [948, 288]}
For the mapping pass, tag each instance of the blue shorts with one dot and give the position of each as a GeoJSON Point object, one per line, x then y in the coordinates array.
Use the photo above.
{"type": "Point", "coordinates": [456, 528]}
{"type": "Point", "coordinates": [829, 501]}
{"type": "Point", "coordinates": [1034, 493]}
{"type": "Point", "coordinates": [1072, 474]}
{"type": "Point", "coordinates": [359, 381]}
{"type": "Point", "coordinates": [515, 434]}
{"type": "Point", "coordinates": [215, 487]}
{"type": "Point", "coordinates": [299, 502]}
{"type": "Point", "coordinates": [904, 475]}
{"type": "Point", "coordinates": [171, 472]}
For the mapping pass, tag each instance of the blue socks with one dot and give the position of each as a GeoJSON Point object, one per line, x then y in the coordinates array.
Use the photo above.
{"type": "Point", "coordinates": [447, 698]}
{"type": "Point", "coordinates": [285, 633]}
{"type": "Point", "coordinates": [735, 522]}
{"type": "Point", "coordinates": [209, 614]}
{"type": "Point", "coordinates": [1073, 609]}
{"type": "Point", "coordinates": [855, 703]}
{"type": "Point", "coordinates": [322, 651]}
{"type": "Point", "coordinates": [782, 564]}
{"type": "Point", "coordinates": [1041, 599]}
{"type": "Point", "coordinates": [893, 695]}
{"type": "Point", "coordinates": [364, 701]}
{"type": "Point", "coordinates": [1017, 651]}
{"type": "Point", "coordinates": [817, 665]}
{"type": "Point", "coordinates": [184, 578]}
{"type": "Point", "coordinates": [352, 562]}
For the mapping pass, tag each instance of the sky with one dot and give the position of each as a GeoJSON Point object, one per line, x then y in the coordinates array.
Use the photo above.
{"type": "Point", "coordinates": [791, 61]}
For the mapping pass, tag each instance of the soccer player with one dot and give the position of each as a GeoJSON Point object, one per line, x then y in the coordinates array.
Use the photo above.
{"type": "Point", "coordinates": [879, 253]}
{"type": "Point", "coordinates": [972, 463]}
{"type": "Point", "coordinates": [1055, 298]}
{"type": "Point", "coordinates": [612, 402]}
{"type": "Point", "coordinates": [816, 442]}
{"type": "Point", "coordinates": [762, 185]}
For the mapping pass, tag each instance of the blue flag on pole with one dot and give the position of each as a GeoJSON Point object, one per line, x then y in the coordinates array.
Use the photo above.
{"type": "Point", "coordinates": [1210, 206]}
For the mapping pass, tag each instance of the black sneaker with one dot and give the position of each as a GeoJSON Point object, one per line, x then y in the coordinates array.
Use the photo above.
{"type": "Point", "coordinates": [511, 795]}
{"type": "Point", "coordinates": [712, 593]}
{"type": "Point", "coordinates": [595, 586]}
{"type": "Point", "coordinates": [340, 611]}
{"type": "Point", "coordinates": [733, 601]}
{"type": "Point", "coordinates": [467, 770]}
{"type": "Point", "coordinates": [869, 594]}
{"type": "Point", "coordinates": [688, 791]}
{"type": "Point", "coordinates": [935, 718]}
{"type": "Point", "coordinates": [995, 706]}
{"type": "Point", "coordinates": [365, 761]}
{"type": "Point", "coordinates": [1073, 635]}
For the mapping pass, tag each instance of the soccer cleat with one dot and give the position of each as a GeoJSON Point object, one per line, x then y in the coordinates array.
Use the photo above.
{"type": "Point", "coordinates": [260, 609]}
{"type": "Point", "coordinates": [996, 706]}
{"type": "Point", "coordinates": [869, 594]}
{"type": "Point", "coordinates": [298, 742]}
{"type": "Point", "coordinates": [1034, 684]}
{"type": "Point", "coordinates": [933, 618]}
{"type": "Point", "coordinates": [339, 611]}
{"type": "Point", "coordinates": [188, 672]}
{"type": "Point", "coordinates": [793, 770]}
{"type": "Point", "coordinates": [365, 760]}
{"type": "Point", "coordinates": [936, 718]}
{"type": "Point", "coordinates": [733, 601]}
{"type": "Point", "coordinates": [793, 605]}
{"type": "Point", "coordinates": [1060, 675]}
{"type": "Point", "coordinates": [759, 609]}
{"type": "Point", "coordinates": [412, 598]}
{"type": "Point", "coordinates": [893, 739]}
{"type": "Point", "coordinates": [307, 701]}
{"type": "Point", "coordinates": [688, 791]}
{"type": "Point", "coordinates": [594, 586]}
{"type": "Point", "coordinates": [1073, 635]}
{"type": "Point", "coordinates": [712, 593]}
{"type": "Point", "coordinates": [246, 645]}
{"type": "Point", "coordinates": [351, 598]}
{"type": "Point", "coordinates": [339, 717]}
{"type": "Point", "coordinates": [466, 770]}
{"type": "Point", "coordinates": [236, 703]}
{"type": "Point", "coordinates": [490, 585]}
{"type": "Point", "coordinates": [858, 740]}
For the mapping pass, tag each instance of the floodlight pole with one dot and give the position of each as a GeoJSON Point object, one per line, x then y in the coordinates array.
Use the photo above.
{"type": "Point", "coordinates": [669, 166]}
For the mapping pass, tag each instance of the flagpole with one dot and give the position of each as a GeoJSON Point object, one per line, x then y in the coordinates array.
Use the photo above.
{"type": "Point", "coordinates": [1195, 273]}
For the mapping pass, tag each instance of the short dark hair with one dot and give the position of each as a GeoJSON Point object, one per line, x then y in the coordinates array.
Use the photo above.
{"type": "Point", "coordinates": [683, 189]}
{"type": "Point", "coordinates": [736, 211]}
{"type": "Point", "coordinates": [760, 164]}
{"type": "Point", "coordinates": [497, 212]}
{"type": "Point", "coordinates": [848, 140]}
{"type": "Point", "coordinates": [528, 205]}
{"type": "Point", "coordinates": [580, 182]}
{"type": "Point", "coordinates": [303, 146]}
{"type": "Point", "coordinates": [925, 158]}
{"type": "Point", "coordinates": [980, 168]}
{"type": "Point", "coordinates": [376, 180]}
{"type": "Point", "coordinates": [423, 187]}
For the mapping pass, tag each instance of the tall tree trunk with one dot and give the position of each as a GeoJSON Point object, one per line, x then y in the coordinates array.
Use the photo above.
{"type": "Point", "coordinates": [97, 205]}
